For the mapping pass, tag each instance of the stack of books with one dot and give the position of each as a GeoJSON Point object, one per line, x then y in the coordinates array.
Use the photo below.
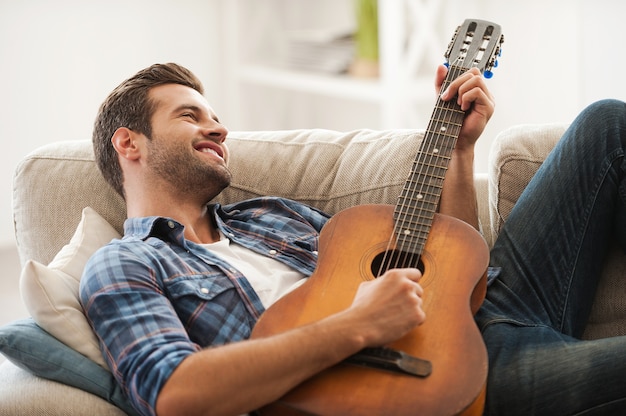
{"type": "Point", "coordinates": [324, 51]}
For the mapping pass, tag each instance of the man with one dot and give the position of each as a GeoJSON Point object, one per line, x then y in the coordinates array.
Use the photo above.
{"type": "Point", "coordinates": [161, 295]}
{"type": "Point", "coordinates": [184, 277]}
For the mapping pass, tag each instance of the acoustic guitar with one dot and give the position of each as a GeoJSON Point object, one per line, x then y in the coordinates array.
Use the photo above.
{"type": "Point", "coordinates": [440, 367]}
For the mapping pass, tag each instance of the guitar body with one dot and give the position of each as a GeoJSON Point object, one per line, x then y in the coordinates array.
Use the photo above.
{"type": "Point", "coordinates": [453, 262]}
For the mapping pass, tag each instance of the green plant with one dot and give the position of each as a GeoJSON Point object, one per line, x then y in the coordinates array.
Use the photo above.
{"type": "Point", "coordinates": [366, 36]}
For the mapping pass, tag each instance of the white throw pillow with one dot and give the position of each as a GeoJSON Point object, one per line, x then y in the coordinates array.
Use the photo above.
{"type": "Point", "coordinates": [50, 292]}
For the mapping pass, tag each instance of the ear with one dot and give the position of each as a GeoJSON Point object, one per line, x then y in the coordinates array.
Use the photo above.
{"type": "Point", "coordinates": [124, 141]}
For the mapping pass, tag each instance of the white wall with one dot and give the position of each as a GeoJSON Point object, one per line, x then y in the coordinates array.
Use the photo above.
{"type": "Point", "coordinates": [59, 59]}
{"type": "Point", "coordinates": [558, 57]}
{"type": "Point", "coordinates": [539, 78]}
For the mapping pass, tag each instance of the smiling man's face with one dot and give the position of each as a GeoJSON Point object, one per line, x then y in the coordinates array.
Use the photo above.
{"type": "Point", "coordinates": [187, 146]}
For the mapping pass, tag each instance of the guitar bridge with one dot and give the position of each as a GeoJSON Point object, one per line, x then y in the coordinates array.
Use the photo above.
{"type": "Point", "coordinates": [388, 359]}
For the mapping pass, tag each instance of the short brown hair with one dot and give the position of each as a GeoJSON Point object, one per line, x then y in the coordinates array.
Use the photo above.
{"type": "Point", "coordinates": [128, 106]}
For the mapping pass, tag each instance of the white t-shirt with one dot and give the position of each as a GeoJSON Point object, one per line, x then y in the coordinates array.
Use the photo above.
{"type": "Point", "coordinates": [269, 278]}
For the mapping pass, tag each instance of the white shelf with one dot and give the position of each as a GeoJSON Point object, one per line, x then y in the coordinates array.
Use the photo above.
{"type": "Point", "coordinates": [340, 86]}
{"type": "Point", "coordinates": [401, 97]}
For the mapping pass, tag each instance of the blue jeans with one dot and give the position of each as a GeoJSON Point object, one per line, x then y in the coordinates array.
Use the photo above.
{"type": "Point", "coordinates": [550, 251]}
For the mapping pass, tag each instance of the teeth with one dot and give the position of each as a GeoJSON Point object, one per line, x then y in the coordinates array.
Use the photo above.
{"type": "Point", "coordinates": [207, 150]}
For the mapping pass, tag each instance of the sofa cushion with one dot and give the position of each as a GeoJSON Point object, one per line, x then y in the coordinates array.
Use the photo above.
{"type": "Point", "coordinates": [50, 292]}
{"type": "Point", "coordinates": [327, 169]}
{"type": "Point", "coordinates": [51, 186]}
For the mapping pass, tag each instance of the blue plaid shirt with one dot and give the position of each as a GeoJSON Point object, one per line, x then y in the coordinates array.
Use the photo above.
{"type": "Point", "coordinates": [153, 298]}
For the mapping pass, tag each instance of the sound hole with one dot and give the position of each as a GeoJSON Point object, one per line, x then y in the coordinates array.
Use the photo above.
{"type": "Point", "coordinates": [395, 259]}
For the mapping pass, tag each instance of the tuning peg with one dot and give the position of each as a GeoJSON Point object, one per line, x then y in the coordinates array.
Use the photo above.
{"type": "Point", "coordinates": [488, 74]}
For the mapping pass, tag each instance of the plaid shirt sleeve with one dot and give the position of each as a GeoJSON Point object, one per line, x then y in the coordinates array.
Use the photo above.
{"type": "Point", "coordinates": [142, 338]}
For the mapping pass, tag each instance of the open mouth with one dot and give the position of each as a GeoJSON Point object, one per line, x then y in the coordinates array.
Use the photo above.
{"type": "Point", "coordinates": [210, 147]}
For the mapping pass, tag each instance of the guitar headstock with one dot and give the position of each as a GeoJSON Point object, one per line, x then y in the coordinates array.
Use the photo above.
{"type": "Point", "coordinates": [476, 43]}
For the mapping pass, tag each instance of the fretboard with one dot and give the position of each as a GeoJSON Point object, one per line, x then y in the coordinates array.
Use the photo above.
{"type": "Point", "coordinates": [417, 204]}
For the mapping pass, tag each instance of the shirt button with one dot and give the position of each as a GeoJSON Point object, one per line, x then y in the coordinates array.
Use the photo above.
{"type": "Point", "coordinates": [273, 252]}
{"type": "Point", "coordinates": [204, 290]}
{"type": "Point", "coordinates": [171, 224]}
{"type": "Point", "coordinates": [315, 252]}
{"type": "Point", "coordinates": [231, 235]}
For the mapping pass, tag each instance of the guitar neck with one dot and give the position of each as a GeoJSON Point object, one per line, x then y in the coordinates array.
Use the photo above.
{"type": "Point", "coordinates": [476, 43]}
{"type": "Point", "coordinates": [420, 196]}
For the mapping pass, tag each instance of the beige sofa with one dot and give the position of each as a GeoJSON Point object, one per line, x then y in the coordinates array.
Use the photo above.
{"type": "Point", "coordinates": [330, 170]}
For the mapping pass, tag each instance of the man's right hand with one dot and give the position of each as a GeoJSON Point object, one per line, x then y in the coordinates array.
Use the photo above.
{"type": "Point", "coordinates": [389, 306]}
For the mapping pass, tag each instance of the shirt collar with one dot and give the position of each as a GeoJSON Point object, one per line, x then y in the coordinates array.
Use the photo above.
{"type": "Point", "coordinates": [162, 227]}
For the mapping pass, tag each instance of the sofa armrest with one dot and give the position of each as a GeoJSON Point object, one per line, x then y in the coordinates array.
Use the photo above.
{"type": "Point", "coordinates": [514, 158]}
{"type": "Point", "coordinates": [481, 182]}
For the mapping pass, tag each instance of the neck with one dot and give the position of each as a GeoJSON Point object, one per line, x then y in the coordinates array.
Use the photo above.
{"type": "Point", "coordinates": [195, 217]}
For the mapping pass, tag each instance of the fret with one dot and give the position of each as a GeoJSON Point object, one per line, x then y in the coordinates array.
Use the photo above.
{"type": "Point", "coordinates": [420, 195]}
{"type": "Point", "coordinates": [413, 242]}
{"type": "Point", "coordinates": [428, 161]}
{"type": "Point", "coordinates": [416, 222]}
{"type": "Point", "coordinates": [415, 226]}
{"type": "Point", "coordinates": [447, 136]}
{"type": "Point", "coordinates": [452, 120]}
{"type": "Point", "coordinates": [418, 200]}
{"type": "Point", "coordinates": [423, 185]}
{"type": "Point", "coordinates": [420, 185]}
{"type": "Point", "coordinates": [413, 220]}
{"type": "Point", "coordinates": [436, 164]}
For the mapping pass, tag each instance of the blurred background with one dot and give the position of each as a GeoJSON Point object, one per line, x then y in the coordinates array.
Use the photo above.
{"type": "Point", "coordinates": [283, 64]}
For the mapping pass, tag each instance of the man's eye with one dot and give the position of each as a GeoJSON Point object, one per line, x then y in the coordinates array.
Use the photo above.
{"type": "Point", "coordinates": [189, 115]}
